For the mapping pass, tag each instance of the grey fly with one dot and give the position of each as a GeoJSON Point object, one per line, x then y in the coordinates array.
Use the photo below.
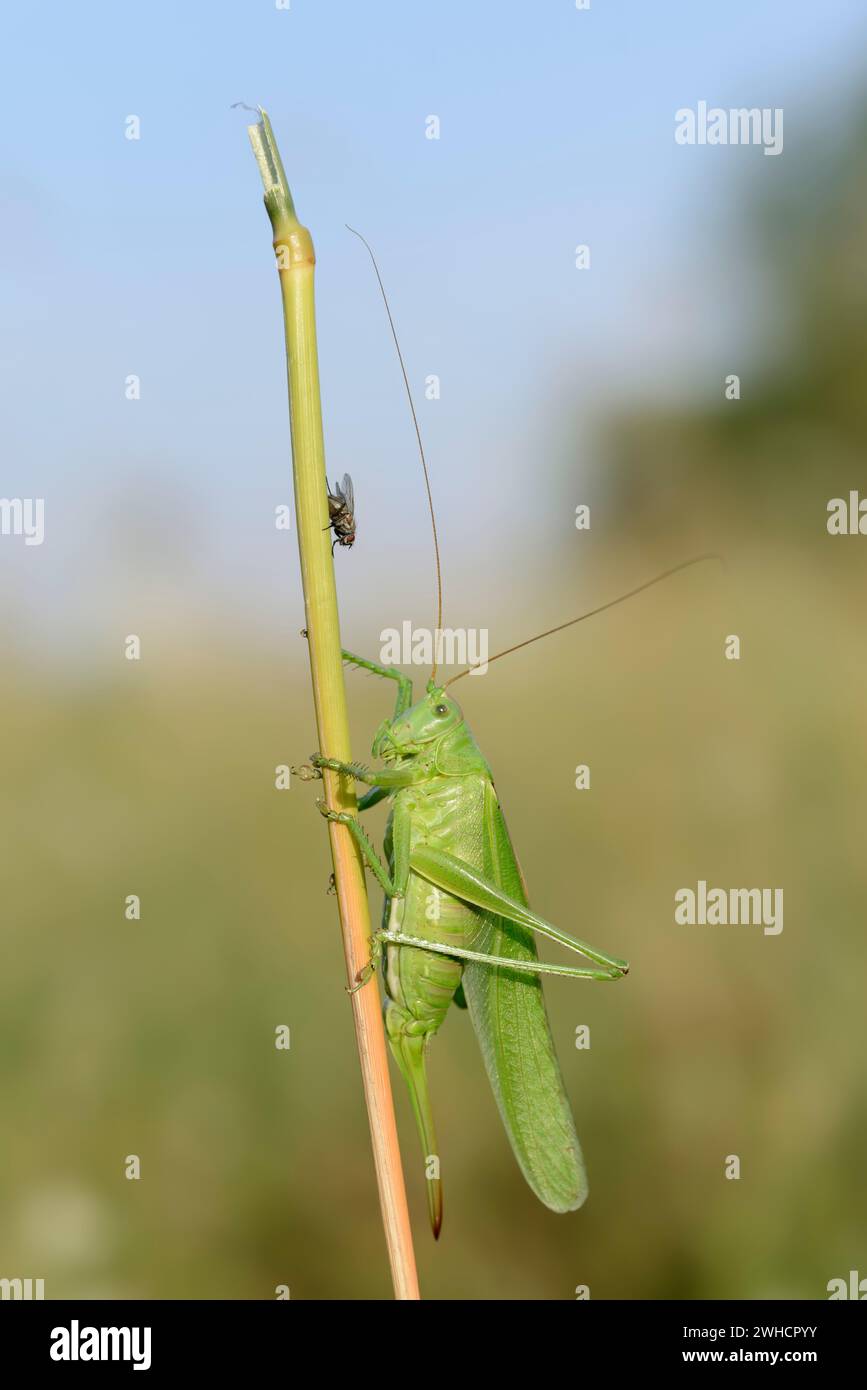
{"type": "Point", "coordinates": [341, 512]}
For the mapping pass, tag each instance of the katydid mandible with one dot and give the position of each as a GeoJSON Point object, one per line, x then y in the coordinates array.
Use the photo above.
{"type": "Point", "coordinates": [457, 925]}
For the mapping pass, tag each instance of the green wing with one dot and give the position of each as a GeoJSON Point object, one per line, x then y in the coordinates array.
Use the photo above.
{"type": "Point", "coordinates": [511, 1022]}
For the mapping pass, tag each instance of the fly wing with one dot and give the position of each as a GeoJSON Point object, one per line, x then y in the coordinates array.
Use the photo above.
{"type": "Point", "coordinates": [348, 493]}
{"type": "Point", "coordinates": [508, 1012]}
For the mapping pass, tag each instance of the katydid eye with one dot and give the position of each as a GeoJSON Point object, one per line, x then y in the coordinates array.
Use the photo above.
{"type": "Point", "coordinates": [441, 709]}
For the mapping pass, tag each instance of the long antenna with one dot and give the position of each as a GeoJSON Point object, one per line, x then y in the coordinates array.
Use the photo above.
{"type": "Point", "coordinates": [648, 584]}
{"type": "Point", "coordinates": [433, 520]}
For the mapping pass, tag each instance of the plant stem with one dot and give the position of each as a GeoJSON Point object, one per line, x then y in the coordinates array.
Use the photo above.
{"type": "Point", "coordinates": [295, 261]}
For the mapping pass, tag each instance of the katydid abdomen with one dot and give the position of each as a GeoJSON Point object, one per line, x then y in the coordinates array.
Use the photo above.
{"type": "Point", "coordinates": [420, 985]}
{"type": "Point", "coordinates": [459, 817]}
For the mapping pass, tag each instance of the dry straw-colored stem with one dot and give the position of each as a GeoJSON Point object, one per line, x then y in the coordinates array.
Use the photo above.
{"type": "Point", "coordinates": [295, 262]}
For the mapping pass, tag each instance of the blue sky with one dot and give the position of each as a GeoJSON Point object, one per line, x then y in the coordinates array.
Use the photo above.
{"type": "Point", "coordinates": [153, 257]}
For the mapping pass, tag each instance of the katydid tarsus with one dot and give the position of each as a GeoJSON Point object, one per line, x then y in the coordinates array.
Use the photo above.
{"type": "Point", "coordinates": [457, 925]}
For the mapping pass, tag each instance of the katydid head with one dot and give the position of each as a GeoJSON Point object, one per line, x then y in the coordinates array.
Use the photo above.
{"type": "Point", "coordinates": [420, 727]}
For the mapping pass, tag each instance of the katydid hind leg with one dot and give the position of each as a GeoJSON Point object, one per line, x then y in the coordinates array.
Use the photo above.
{"type": "Point", "coordinates": [510, 1020]}
{"type": "Point", "coordinates": [409, 1050]}
{"type": "Point", "coordinates": [525, 967]}
{"type": "Point", "coordinates": [455, 876]}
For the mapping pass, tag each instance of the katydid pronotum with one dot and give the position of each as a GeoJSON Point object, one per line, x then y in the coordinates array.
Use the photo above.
{"type": "Point", "coordinates": [457, 925]}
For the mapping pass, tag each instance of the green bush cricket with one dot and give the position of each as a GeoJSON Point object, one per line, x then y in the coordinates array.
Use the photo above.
{"type": "Point", "coordinates": [457, 925]}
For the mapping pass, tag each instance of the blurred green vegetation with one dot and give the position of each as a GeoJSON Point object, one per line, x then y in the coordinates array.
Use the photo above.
{"type": "Point", "coordinates": [799, 432]}
{"type": "Point", "coordinates": [157, 1037]}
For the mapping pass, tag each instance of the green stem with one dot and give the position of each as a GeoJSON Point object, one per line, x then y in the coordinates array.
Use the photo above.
{"type": "Point", "coordinates": [293, 247]}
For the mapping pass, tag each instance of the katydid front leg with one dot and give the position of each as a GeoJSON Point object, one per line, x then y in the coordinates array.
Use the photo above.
{"type": "Point", "coordinates": [382, 783]}
{"type": "Point", "coordinates": [403, 702]}
{"type": "Point", "coordinates": [383, 733]}
{"type": "Point", "coordinates": [391, 779]}
{"type": "Point", "coordinates": [404, 684]}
